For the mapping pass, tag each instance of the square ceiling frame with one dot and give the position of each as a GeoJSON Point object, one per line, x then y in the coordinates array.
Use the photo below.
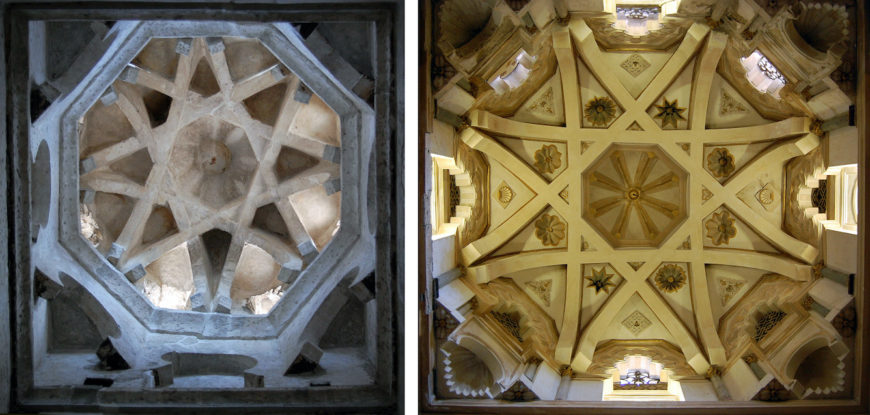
{"type": "Point", "coordinates": [17, 389]}
{"type": "Point", "coordinates": [427, 352]}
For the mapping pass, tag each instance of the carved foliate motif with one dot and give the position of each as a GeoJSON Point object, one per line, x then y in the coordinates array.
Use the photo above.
{"type": "Point", "coordinates": [730, 105]}
{"type": "Point", "coordinates": [600, 111]}
{"type": "Point", "coordinates": [545, 103]}
{"type": "Point", "coordinates": [549, 229]}
{"type": "Point", "coordinates": [670, 278]}
{"type": "Point", "coordinates": [728, 288]}
{"type": "Point", "coordinates": [541, 289]}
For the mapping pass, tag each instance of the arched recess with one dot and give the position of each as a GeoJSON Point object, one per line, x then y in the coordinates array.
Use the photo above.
{"type": "Point", "coordinates": [460, 189]}
{"type": "Point", "coordinates": [472, 369]}
{"type": "Point", "coordinates": [537, 331]}
{"type": "Point", "coordinates": [816, 367]}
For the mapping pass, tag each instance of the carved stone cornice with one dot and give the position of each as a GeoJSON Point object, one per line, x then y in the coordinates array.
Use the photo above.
{"type": "Point", "coordinates": [474, 177]}
{"type": "Point", "coordinates": [609, 354]}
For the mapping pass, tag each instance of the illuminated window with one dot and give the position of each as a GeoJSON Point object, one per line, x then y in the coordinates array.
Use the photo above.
{"type": "Point", "coordinates": [847, 210]}
{"type": "Point", "coordinates": [638, 21]}
{"type": "Point", "coordinates": [514, 74]}
{"type": "Point", "coordinates": [636, 371]}
{"type": "Point", "coordinates": [638, 378]}
{"type": "Point", "coordinates": [762, 74]}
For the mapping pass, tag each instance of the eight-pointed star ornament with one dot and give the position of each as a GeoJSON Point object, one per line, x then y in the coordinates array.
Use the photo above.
{"type": "Point", "coordinates": [600, 279]}
{"type": "Point", "coordinates": [670, 113]}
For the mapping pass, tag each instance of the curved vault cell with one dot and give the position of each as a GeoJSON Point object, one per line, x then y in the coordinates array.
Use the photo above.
{"type": "Point", "coordinates": [195, 165]}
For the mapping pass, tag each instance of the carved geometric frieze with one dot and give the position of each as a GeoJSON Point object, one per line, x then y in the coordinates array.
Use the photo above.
{"type": "Point", "coordinates": [635, 64]}
{"type": "Point", "coordinates": [636, 323]}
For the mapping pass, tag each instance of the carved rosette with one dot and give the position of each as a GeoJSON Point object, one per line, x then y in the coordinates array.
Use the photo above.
{"type": "Point", "coordinates": [720, 228]}
{"type": "Point", "coordinates": [720, 162]}
{"type": "Point", "coordinates": [550, 230]}
{"type": "Point", "coordinates": [670, 278]}
{"type": "Point", "coordinates": [548, 159]}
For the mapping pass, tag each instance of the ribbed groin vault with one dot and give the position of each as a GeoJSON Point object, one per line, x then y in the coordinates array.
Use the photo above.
{"type": "Point", "coordinates": [641, 201]}
{"type": "Point", "coordinates": [204, 228]}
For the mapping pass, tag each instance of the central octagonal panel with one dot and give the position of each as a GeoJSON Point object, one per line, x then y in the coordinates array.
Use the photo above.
{"type": "Point", "coordinates": [634, 195]}
{"type": "Point", "coordinates": [212, 160]}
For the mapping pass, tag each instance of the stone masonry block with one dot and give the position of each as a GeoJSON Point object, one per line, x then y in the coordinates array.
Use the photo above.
{"type": "Point", "coordinates": [215, 45]}
{"type": "Point", "coordinates": [183, 46]}
{"type": "Point", "coordinates": [163, 375]}
{"type": "Point", "coordinates": [87, 165]}
{"type": "Point", "coordinates": [332, 186]}
{"type": "Point", "coordinates": [308, 251]}
{"type": "Point", "coordinates": [332, 154]}
{"type": "Point", "coordinates": [253, 380]}
{"type": "Point", "coordinates": [303, 94]}
{"type": "Point", "coordinates": [288, 275]}
{"type": "Point", "coordinates": [136, 273]}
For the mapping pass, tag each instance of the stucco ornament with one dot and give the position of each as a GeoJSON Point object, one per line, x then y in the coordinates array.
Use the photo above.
{"type": "Point", "coordinates": [720, 228]}
{"type": "Point", "coordinates": [720, 162]}
{"type": "Point", "coordinates": [601, 280]}
{"type": "Point", "coordinates": [670, 278]}
{"type": "Point", "coordinates": [670, 113]}
{"type": "Point", "coordinates": [600, 110]}
{"type": "Point", "coordinates": [549, 229]}
{"type": "Point", "coordinates": [548, 159]}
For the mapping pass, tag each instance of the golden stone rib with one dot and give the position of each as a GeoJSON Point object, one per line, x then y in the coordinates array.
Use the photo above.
{"type": "Point", "coordinates": [666, 181]}
{"type": "Point", "coordinates": [606, 182]}
{"type": "Point", "coordinates": [669, 209]}
{"type": "Point", "coordinates": [602, 206]}
{"type": "Point", "coordinates": [618, 161]}
{"type": "Point", "coordinates": [649, 228]}
{"type": "Point", "coordinates": [647, 161]}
